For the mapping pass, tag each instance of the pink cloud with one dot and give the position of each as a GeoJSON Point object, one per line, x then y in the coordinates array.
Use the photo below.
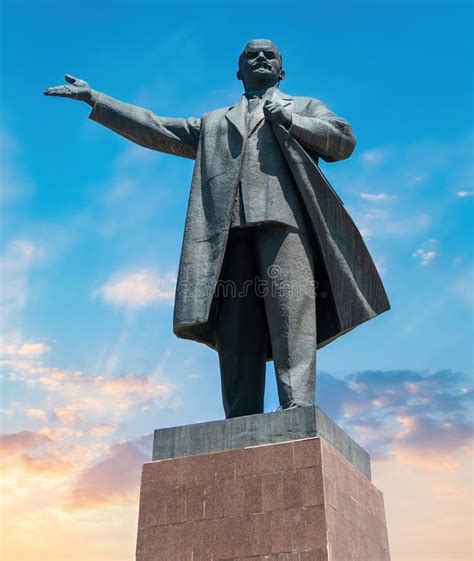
{"type": "Point", "coordinates": [115, 479]}
{"type": "Point", "coordinates": [47, 462]}
{"type": "Point", "coordinates": [24, 440]}
{"type": "Point", "coordinates": [426, 442]}
{"type": "Point", "coordinates": [32, 451]}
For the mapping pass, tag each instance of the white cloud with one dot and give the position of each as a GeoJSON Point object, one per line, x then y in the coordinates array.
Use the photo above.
{"type": "Point", "coordinates": [377, 197]}
{"type": "Point", "coordinates": [135, 290]}
{"type": "Point", "coordinates": [464, 194]}
{"type": "Point", "coordinates": [425, 256]}
{"type": "Point", "coordinates": [15, 266]}
{"type": "Point", "coordinates": [374, 156]}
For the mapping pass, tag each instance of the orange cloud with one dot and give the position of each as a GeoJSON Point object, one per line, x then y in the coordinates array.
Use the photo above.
{"type": "Point", "coordinates": [26, 349]}
{"type": "Point", "coordinates": [82, 401]}
{"type": "Point", "coordinates": [103, 430]}
{"type": "Point", "coordinates": [46, 463]}
{"type": "Point", "coordinates": [24, 440]}
{"type": "Point", "coordinates": [31, 451]}
{"type": "Point", "coordinates": [36, 414]}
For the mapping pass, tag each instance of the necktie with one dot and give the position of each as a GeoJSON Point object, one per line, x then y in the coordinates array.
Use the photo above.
{"type": "Point", "coordinates": [254, 102]}
{"type": "Point", "coordinates": [255, 112]}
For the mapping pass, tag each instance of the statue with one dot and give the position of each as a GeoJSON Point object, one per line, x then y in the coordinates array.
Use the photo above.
{"type": "Point", "coordinates": [272, 266]}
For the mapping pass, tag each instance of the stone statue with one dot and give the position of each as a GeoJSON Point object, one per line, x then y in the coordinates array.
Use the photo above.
{"type": "Point", "coordinates": [272, 265]}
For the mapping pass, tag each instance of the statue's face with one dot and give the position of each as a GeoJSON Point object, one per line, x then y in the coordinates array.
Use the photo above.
{"type": "Point", "coordinates": [260, 64]}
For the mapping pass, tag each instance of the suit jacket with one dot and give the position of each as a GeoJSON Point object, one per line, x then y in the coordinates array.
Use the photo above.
{"type": "Point", "coordinates": [267, 190]}
{"type": "Point", "coordinates": [349, 287]}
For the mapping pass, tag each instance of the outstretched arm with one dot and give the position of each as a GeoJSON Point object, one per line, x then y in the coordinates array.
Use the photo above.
{"type": "Point", "coordinates": [173, 136]}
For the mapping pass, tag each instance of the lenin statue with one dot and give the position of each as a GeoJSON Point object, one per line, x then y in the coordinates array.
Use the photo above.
{"type": "Point", "coordinates": [272, 266]}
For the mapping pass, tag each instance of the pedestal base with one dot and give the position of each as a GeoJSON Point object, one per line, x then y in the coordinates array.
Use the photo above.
{"type": "Point", "coordinates": [292, 501]}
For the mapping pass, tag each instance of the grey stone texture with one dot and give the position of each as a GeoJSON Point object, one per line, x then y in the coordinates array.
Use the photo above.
{"type": "Point", "coordinates": [257, 169]}
{"type": "Point", "coordinates": [257, 430]}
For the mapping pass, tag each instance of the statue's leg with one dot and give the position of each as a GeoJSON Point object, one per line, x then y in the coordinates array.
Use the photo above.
{"type": "Point", "coordinates": [286, 262]}
{"type": "Point", "coordinates": [243, 331]}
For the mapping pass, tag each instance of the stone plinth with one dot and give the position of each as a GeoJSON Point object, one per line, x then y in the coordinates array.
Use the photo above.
{"type": "Point", "coordinates": [254, 430]}
{"type": "Point", "coordinates": [299, 500]}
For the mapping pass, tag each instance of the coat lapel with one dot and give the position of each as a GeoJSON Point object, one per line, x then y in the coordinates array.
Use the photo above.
{"type": "Point", "coordinates": [237, 116]}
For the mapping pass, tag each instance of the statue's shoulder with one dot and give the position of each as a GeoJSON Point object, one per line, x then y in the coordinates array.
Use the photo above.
{"type": "Point", "coordinates": [216, 114]}
{"type": "Point", "coordinates": [303, 100]}
{"type": "Point", "coordinates": [301, 103]}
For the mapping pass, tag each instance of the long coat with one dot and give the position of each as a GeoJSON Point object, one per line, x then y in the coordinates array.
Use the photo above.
{"type": "Point", "coordinates": [348, 285]}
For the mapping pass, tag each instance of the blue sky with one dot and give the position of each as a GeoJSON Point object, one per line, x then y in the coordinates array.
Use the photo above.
{"type": "Point", "coordinates": [86, 215]}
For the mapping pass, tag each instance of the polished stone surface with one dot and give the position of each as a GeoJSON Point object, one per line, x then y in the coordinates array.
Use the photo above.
{"type": "Point", "coordinates": [293, 501]}
{"type": "Point", "coordinates": [256, 430]}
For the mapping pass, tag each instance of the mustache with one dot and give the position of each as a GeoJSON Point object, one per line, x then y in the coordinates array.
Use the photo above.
{"type": "Point", "coordinates": [261, 63]}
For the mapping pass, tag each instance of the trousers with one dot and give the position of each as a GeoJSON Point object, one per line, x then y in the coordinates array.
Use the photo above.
{"type": "Point", "coordinates": [266, 296]}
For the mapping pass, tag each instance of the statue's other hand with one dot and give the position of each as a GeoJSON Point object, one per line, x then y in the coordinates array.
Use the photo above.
{"type": "Point", "coordinates": [76, 89]}
{"type": "Point", "coordinates": [277, 113]}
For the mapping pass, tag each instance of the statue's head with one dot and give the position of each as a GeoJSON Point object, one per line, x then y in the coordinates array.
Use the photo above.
{"type": "Point", "coordinates": [260, 65]}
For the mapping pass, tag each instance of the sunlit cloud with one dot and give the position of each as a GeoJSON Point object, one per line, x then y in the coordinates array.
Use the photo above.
{"type": "Point", "coordinates": [114, 478]}
{"type": "Point", "coordinates": [403, 416]}
{"type": "Point", "coordinates": [37, 414]}
{"type": "Point", "coordinates": [91, 402]}
{"type": "Point", "coordinates": [33, 452]}
{"type": "Point", "coordinates": [24, 440]}
{"type": "Point", "coordinates": [424, 440]}
{"type": "Point", "coordinates": [72, 406]}
{"type": "Point", "coordinates": [103, 430]}
{"type": "Point", "coordinates": [135, 290]}
{"type": "Point", "coordinates": [25, 349]}
{"type": "Point", "coordinates": [406, 419]}
{"type": "Point", "coordinates": [464, 194]}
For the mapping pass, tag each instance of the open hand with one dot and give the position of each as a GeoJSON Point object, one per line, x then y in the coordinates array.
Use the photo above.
{"type": "Point", "coordinates": [277, 113]}
{"type": "Point", "coordinates": [76, 89]}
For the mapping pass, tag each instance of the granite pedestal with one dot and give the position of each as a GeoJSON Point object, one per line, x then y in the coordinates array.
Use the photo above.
{"type": "Point", "coordinates": [276, 489]}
